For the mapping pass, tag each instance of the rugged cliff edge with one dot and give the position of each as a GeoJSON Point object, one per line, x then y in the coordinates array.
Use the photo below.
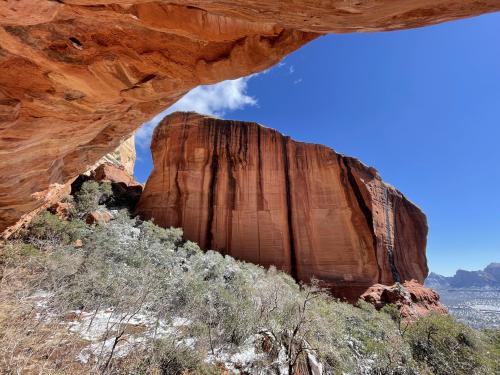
{"type": "Point", "coordinates": [79, 76]}
{"type": "Point", "coordinates": [250, 192]}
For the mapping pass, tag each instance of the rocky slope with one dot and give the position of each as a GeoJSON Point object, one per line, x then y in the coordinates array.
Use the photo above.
{"type": "Point", "coordinates": [257, 195]}
{"type": "Point", "coordinates": [487, 278]}
{"type": "Point", "coordinates": [105, 293]}
{"type": "Point", "coordinates": [79, 76]}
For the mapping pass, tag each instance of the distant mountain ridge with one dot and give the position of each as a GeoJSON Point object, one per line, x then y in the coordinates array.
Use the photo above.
{"type": "Point", "coordinates": [489, 277]}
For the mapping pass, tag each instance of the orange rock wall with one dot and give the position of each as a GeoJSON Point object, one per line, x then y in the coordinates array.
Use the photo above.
{"type": "Point", "coordinates": [124, 156]}
{"type": "Point", "coordinates": [250, 192]}
{"type": "Point", "coordinates": [79, 76]}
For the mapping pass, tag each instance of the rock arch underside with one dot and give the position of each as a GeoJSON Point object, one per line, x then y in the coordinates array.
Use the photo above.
{"type": "Point", "coordinates": [77, 77]}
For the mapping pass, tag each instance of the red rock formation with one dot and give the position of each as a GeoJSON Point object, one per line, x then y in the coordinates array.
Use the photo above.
{"type": "Point", "coordinates": [113, 173]}
{"type": "Point", "coordinates": [124, 157]}
{"type": "Point", "coordinates": [99, 217]}
{"type": "Point", "coordinates": [126, 190]}
{"type": "Point", "coordinates": [62, 209]}
{"type": "Point", "coordinates": [257, 195]}
{"type": "Point", "coordinates": [78, 76]}
{"type": "Point", "coordinates": [412, 298]}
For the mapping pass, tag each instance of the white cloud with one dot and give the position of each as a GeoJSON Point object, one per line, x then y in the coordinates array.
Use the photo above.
{"type": "Point", "coordinates": [291, 69]}
{"type": "Point", "coordinates": [209, 100]}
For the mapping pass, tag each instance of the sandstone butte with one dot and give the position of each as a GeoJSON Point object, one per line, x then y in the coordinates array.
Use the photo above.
{"type": "Point", "coordinates": [250, 192]}
{"type": "Point", "coordinates": [77, 77]}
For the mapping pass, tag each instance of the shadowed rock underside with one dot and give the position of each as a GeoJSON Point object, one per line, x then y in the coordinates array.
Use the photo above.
{"type": "Point", "coordinates": [77, 77]}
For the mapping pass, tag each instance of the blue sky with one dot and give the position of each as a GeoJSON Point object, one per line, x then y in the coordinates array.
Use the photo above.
{"type": "Point", "coordinates": [421, 106]}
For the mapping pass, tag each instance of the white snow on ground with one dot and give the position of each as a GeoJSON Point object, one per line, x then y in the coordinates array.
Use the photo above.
{"type": "Point", "coordinates": [241, 360]}
{"type": "Point", "coordinates": [315, 365]}
{"type": "Point", "coordinates": [102, 327]}
{"type": "Point", "coordinates": [41, 298]}
{"type": "Point", "coordinates": [247, 356]}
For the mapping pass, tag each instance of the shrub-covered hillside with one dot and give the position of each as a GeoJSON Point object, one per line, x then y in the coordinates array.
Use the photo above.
{"type": "Point", "coordinates": [129, 297]}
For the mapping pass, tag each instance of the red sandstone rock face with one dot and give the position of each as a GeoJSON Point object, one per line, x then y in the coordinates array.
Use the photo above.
{"type": "Point", "coordinates": [113, 173]}
{"type": "Point", "coordinates": [99, 217]}
{"type": "Point", "coordinates": [123, 157]}
{"type": "Point", "coordinates": [252, 193]}
{"type": "Point", "coordinates": [412, 299]}
{"type": "Point", "coordinates": [78, 76]}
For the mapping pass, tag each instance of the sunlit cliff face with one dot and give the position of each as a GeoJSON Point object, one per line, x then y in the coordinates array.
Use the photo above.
{"type": "Point", "coordinates": [255, 194]}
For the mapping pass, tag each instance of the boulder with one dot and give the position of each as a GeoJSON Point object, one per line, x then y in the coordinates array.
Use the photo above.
{"type": "Point", "coordinates": [78, 243]}
{"type": "Point", "coordinates": [62, 209]}
{"type": "Point", "coordinates": [113, 173]}
{"type": "Point", "coordinates": [99, 217]}
{"type": "Point", "coordinates": [411, 297]}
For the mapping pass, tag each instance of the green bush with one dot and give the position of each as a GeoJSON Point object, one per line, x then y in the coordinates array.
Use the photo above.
{"type": "Point", "coordinates": [48, 230]}
{"type": "Point", "coordinates": [166, 358]}
{"type": "Point", "coordinates": [91, 195]}
{"type": "Point", "coordinates": [16, 253]}
{"type": "Point", "coordinates": [445, 345]}
{"type": "Point", "coordinates": [491, 357]}
{"type": "Point", "coordinates": [135, 267]}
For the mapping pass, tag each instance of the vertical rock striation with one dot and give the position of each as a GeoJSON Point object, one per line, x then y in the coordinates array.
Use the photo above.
{"type": "Point", "coordinates": [250, 192]}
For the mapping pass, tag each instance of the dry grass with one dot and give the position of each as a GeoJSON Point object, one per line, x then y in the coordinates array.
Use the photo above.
{"type": "Point", "coordinates": [30, 343]}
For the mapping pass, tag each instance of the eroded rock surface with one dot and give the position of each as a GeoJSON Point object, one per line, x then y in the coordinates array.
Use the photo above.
{"type": "Point", "coordinates": [79, 76]}
{"type": "Point", "coordinates": [411, 297]}
{"type": "Point", "coordinates": [123, 157]}
{"type": "Point", "coordinates": [252, 193]}
{"type": "Point", "coordinates": [126, 190]}
{"type": "Point", "coordinates": [113, 173]}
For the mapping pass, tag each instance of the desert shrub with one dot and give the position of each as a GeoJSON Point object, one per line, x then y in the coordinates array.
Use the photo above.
{"type": "Point", "coordinates": [491, 353]}
{"type": "Point", "coordinates": [158, 235]}
{"type": "Point", "coordinates": [16, 253]}
{"type": "Point", "coordinates": [48, 230]}
{"type": "Point", "coordinates": [91, 195]}
{"type": "Point", "coordinates": [134, 267]}
{"type": "Point", "coordinates": [71, 208]}
{"type": "Point", "coordinates": [395, 314]}
{"type": "Point", "coordinates": [445, 345]}
{"type": "Point", "coordinates": [167, 358]}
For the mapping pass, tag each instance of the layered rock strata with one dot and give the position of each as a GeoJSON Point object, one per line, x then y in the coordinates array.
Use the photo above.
{"type": "Point", "coordinates": [79, 76]}
{"type": "Point", "coordinates": [252, 193]}
{"type": "Point", "coordinates": [123, 157]}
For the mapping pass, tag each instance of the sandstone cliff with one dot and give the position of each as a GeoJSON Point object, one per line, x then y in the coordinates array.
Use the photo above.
{"type": "Point", "coordinates": [257, 195]}
{"type": "Point", "coordinates": [124, 156]}
{"type": "Point", "coordinates": [78, 76]}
